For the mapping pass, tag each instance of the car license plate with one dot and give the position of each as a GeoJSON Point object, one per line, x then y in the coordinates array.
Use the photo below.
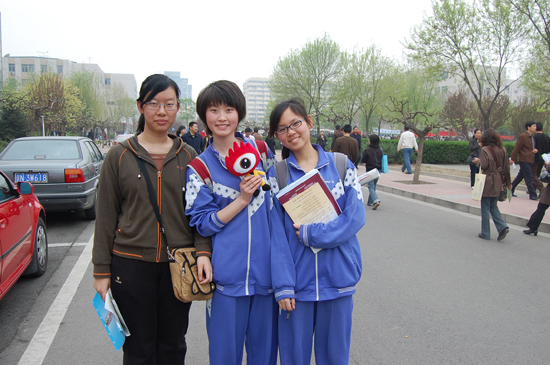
{"type": "Point", "coordinates": [32, 177]}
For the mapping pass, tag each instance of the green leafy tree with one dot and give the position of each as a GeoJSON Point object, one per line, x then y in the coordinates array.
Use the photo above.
{"type": "Point", "coordinates": [536, 13]}
{"type": "Point", "coordinates": [44, 98]}
{"type": "Point", "coordinates": [187, 111]}
{"type": "Point", "coordinates": [460, 112]}
{"type": "Point", "coordinates": [415, 105]}
{"type": "Point", "coordinates": [88, 91]}
{"type": "Point", "coordinates": [13, 122]}
{"type": "Point", "coordinates": [309, 73]}
{"type": "Point", "coordinates": [525, 111]}
{"type": "Point", "coordinates": [473, 43]}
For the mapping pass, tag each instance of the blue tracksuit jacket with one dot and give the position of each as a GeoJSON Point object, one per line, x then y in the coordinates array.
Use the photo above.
{"type": "Point", "coordinates": [241, 248]}
{"type": "Point", "coordinates": [335, 270]}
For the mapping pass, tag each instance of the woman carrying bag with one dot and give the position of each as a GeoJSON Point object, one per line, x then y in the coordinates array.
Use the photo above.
{"type": "Point", "coordinates": [475, 150]}
{"type": "Point", "coordinates": [129, 255]}
{"type": "Point", "coordinates": [493, 158]}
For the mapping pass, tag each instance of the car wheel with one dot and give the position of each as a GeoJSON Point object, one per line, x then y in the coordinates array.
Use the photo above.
{"type": "Point", "coordinates": [90, 212]}
{"type": "Point", "coordinates": [40, 251]}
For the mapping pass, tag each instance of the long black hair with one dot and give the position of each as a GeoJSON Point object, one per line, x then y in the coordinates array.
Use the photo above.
{"type": "Point", "coordinates": [150, 87]}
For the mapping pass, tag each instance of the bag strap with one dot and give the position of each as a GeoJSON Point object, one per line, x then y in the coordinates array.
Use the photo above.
{"type": "Point", "coordinates": [155, 205]}
{"type": "Point", "coordinates": [341, 162]}
{"type": "Point", "coordinates": [200, 168]}
{"type": "Point", "coordinates": [261, 146]}
{"type": "Point", "coordinates": [498, 164]}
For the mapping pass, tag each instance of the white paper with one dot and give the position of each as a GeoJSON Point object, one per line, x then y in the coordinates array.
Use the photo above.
{"type": "Point", "coordinates": [112, 307]}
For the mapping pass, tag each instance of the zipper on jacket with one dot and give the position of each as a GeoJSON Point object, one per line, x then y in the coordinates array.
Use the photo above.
{"type": "Point", "coordinates": [249, 244]}
{"type": "Point", "coordinates": [316, 278]}
{"type": "Point", "coordinates": [159, 237]}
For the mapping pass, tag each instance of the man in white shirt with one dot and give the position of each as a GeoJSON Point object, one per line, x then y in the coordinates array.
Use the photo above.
{"type": "Point", "coordinates": [407, 142]}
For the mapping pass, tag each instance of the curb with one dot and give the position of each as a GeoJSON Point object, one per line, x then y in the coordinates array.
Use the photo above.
{"type": "Point", "coordinates": [509, 218]}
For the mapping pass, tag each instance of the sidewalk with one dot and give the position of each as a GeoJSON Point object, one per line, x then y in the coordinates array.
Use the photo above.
{"type": "Point", "coordinates": [454, 192]}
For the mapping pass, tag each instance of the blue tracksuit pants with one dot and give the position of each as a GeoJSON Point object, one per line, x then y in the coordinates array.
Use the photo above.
{"type": "Point", "coordinates": [234, 321]}
{"type": "Point", "coordinates": [329, 320]}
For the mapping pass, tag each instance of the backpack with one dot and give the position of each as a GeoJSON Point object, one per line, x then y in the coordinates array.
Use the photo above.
{"type": "Point", "coordinates": [200, 168]}
{"type": "Point", "coordinates": [281, 169]}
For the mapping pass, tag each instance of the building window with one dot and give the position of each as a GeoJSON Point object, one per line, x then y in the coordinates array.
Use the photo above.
{"type": "Point", "coordinates": [59, 69]}
{"type": "Point", "coordinates": [27, 68]}
{"type": "Point", "coordinates": [107, 81]}
{"type": "Point", "coordinates": [43, 68]}
{"type": "Point", "coordinates": [12, 67]}
{"type": "Point", "coordinates": [444, 89]}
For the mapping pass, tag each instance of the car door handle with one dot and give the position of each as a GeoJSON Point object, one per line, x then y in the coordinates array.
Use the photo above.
{"type": "Point", "coordinates": [3, 222]}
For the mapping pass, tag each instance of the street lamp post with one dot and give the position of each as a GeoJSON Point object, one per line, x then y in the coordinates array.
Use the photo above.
{"type": "Point", "coordinates": [43, 131]}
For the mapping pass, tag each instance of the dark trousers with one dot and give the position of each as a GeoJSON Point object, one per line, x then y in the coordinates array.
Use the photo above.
{"type": "Point", "coordinates": [525, 172]}
{"type": "Point", "coordinates": [537, 168]}
{"type": "Point", "coordinates": [474, 169]}
{"type": "Point", "coordinates": [537, 216]}
{"type": "Point", "coordinates": [156, 319]}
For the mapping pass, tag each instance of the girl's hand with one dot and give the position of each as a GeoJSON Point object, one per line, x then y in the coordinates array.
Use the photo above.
{"type": "Point", "coordinates": [297, 226]}
{"type": "Point", "coordinates": [204, 269]}
{"type": "Point", "coordinates": [248, 186]}
{"type": "Point", "coordinates": [287, 304]}
{"type": "Point", "coordinates": [102, 286]}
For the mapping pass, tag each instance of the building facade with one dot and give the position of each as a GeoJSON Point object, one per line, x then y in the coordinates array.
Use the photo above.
{"type": "Point", "coordinates": [257, 96]}
{"type": "Point", "coordinates": [183, 84]}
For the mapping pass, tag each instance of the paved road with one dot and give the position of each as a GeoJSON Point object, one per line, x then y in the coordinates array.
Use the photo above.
{"type": "Point", "coordinates": [432, 293]}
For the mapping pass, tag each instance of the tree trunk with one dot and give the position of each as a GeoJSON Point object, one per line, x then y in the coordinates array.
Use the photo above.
{"type": "Point", "coordinates": [416, 178]}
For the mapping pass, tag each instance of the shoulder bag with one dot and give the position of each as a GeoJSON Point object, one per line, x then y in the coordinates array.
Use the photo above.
{"type": "Point", "coordinates": [183, 261]}
{"type": "Point", "coordinates": [503, 193]}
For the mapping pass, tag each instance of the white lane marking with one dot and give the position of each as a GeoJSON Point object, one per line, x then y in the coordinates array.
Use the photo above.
{"type": "Point", "coordinates": [40, 344]}
{"type": "Point", "coordinates": [53, 245]}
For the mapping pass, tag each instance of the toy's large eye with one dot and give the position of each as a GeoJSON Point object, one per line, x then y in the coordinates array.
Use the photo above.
{"type": "Point", "coordinates": [245, 163]}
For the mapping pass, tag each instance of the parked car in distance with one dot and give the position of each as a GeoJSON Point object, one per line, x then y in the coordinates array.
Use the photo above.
{"type": "Point", "coordinates": [64, 171]}
{"type": "Point", "coordinates": [122, 137]}
{"type": "Point", "coordinates": [23, 238]}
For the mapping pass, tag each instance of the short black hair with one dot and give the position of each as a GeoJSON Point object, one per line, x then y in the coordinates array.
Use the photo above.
{"type": "Point", "coordinates": [192, 124]}
{"type": "Point", "coordinates": [347, 128]}
{"type": "Point", "coordinates": [256, 129]}
{"type": "Point", "coordinates": [247, 130]}
{"type": "Point", "coordinates": [374, 141]}
{"type": "Point", "coordinates": [337, 127]}
{"type": "Point", "coordinates": [529, 124]}
{"type": "Point", "coordinates": [539, 127]}
{"type": "Point", "coordinates": [217, 93]}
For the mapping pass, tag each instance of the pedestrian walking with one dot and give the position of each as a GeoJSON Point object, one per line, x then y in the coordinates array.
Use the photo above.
{"type": "Point", "coordinates": [542, 144]}
{"type": "Point", "coordinates": [475, 151]}
{"type": "Point", "coordinates": [372, 157]}
{"type": "Point", "coordinates": [347, 145]}
{"type": "Point", "coordinates": [493, 158]}
{"type": "Point", "coordinates": [322, 140]}
{"type": "Point", "coordinates": [315, 303]}
{"type": "Point", "coordinates": [538, 215]}
{"type": "Point", "coordinates": [243, 310]}
{"type": "Point", "coordinates": [337, 134]}
{"type": "Point", "coordinates": [194, 138]}
{"type": "Point", "coordinates": [356, 135]}
{"type": "Point", "coordinates": [407, 142]}
{"type": "Point", "coordinates": [129, 255]}
{"type": "Point", "coordinates": [525, 153]}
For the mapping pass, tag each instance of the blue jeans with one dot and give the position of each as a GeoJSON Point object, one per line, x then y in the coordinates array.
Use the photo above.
{"type": "Point", "coordinates": [373, 197]}
{"type": "Point", "coordinates": [407, 152]}
{"type": "Point", "coordinates": [489, 206]}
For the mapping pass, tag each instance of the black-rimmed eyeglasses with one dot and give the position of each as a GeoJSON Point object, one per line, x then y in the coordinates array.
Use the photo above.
{"type": "Point", "coordinates": [293, 126]}
{"type": "Point", "coordinates": [156, 106]}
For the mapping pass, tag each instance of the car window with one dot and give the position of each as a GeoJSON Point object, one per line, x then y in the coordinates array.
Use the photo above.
{"type": "Point", "coordinates": [96, 149]}
{"type": "Point", "coordinates": [46, 149]}
{"type": "Point", "coordinates": [95, 157]}
{"type": "Point", "coordinates": [6, 192]}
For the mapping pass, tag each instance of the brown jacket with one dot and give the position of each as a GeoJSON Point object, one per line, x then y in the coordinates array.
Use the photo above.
{"type": "Point", "coordinates": [126, 224]}
{"type": "Point", "coordinates": [523, 149]}
{"type": "Point", "coordinates": [348, 146]}
{"type": "Point", "coordinates": [493, 182]}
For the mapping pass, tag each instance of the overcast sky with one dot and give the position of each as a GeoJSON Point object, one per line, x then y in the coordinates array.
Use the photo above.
{"type": "Point", "coordinates": [204, 40]}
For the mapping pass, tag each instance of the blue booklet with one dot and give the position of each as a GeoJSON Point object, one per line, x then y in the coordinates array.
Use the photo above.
{"type": "Point", "coordinates": [111, 318]}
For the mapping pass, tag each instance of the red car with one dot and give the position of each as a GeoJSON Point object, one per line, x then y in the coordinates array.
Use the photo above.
{"type": "Point", "coordinates": [23, 239]}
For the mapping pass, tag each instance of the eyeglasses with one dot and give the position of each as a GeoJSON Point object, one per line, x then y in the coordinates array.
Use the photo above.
{"type": "Point", "coordinates": [156, 106]}
{"type": "Point", "coordinates": [293, 126]}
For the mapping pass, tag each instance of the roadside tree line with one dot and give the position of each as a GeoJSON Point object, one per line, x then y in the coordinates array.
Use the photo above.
{"type": "Point", "coordinates": [483, 48]}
